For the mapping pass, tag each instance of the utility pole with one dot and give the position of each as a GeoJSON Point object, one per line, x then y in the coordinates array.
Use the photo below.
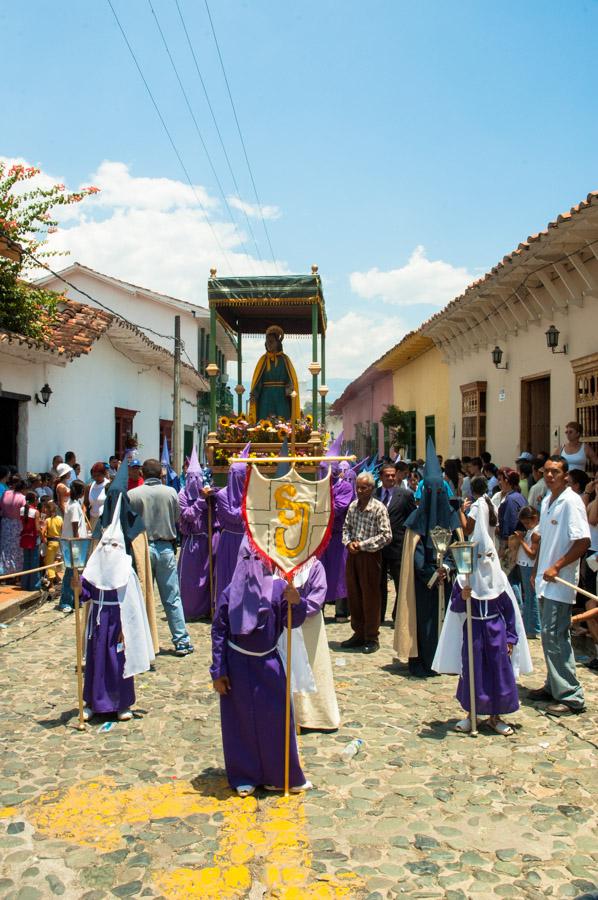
{"type": "Point", "coordinates": [176, 398]}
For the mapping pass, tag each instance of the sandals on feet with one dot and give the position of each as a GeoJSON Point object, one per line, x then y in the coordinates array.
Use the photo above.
{"type": "Point", "coordinates": [500, 727]}
{"type": "Point", "coordinates": [463, 726]}
{"type": "Point", "coordinates": [244, 790]}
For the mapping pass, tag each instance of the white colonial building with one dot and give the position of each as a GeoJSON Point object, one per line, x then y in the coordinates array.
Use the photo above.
{"type": "Point", "coordinates": [110, 373]}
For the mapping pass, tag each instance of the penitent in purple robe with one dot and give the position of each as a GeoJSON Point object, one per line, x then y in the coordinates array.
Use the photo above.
{"type": "Point", "coordinates": [334, 557]}
{"type": "Point", "coordinates": [493, 628]}
{"type": "Point", "coordinates": [194, 562]}
{"type": "Point", "coordinates": [253, 712]}
{"type": "Point", "coordinates": [228, 503]}
{"type": "Point", "coordinates": [232, 530]}
{"type": "Point", "coordinates": [105, 690]}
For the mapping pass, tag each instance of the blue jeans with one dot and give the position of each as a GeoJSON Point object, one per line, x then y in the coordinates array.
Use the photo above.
{"type": "Point", "coordinates": [531, 607]}
{"type": "Point", "coordinates": [561, 678]}
{"type": "Point", "coordinates": [67, 597]}
{"type": "Point", "coordinates": [165, 572]}
{"type": "Point", "coordinates": [31, 582]}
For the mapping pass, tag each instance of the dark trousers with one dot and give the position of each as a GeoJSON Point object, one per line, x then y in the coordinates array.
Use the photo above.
{"type": "Point", "coordinates": [363, 591]}
{"type": "Point", "coordinates": [390, 567]}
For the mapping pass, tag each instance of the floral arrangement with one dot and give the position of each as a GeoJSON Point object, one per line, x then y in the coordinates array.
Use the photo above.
{"type": "Point", "coordinates": [237, 430]}
{"type": "Point", "coordinates": [27, 216]}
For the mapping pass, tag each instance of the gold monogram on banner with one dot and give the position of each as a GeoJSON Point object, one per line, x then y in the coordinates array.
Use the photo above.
{"type": "Point", "coordinates": [289, 518]}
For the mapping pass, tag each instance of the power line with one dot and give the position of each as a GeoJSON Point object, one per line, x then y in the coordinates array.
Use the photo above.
{"type": "Point", "coordinates": [228, 162]}
{"type": "Point", "coordinates": [230, 97]}
{"type": "Point", "coordinates": [192, 114]}
{"type": "Point", "coordinates": [170, 138]}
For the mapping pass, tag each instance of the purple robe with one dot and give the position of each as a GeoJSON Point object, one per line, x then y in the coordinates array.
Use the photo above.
{"type": "Point", "coordinates": [495, 687]}
{"type": "Point", "coordinates": [314, 590]}
{"type": "Point", "coordinates": [105, 690]}
{"type": "Point", "coordinates": [232, 530]}
{"type": "Point", "coordinates": [334, 557]}
{"type": "Point", "coordinates": [253, 712]}
{"type": "Point", "coordinates": [229, 501]}
{"type": "Point", "coordinates": [194, 562]}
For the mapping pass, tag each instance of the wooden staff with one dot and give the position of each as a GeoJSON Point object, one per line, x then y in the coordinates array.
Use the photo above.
{"type": "Point", "coordinates": [54, 565]}
{"type": "Point", "coordinates": [577, 589]}
{"type": "Point", "coordinates": [287, 715]}
{"type": "Point", "coordinates": [472, 705]}
{"type": "Point", "coordinates": [210, 555]}
{"type": "Point", "coordinates": [76, 584]}
{"type": "Point", "coordinates": [287, 710]}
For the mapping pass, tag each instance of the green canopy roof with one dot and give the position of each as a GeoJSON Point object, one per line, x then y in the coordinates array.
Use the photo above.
{"type": "Point", "coordinates": [248, 305]}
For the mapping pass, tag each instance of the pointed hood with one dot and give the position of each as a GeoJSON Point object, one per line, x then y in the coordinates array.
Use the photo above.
{"type": "Point", "coordinates": [131, 522]}
{"type": "Point", "coordinates": [434, 507]}
{"type": "Point", "coordinates": [109, 566]}
{"type": "Point", "coordinates": [194, 480]}
{"type": "Point", "coordinates": [333, 450]}
{"type": "Point", "coordinates": [236, 480]}
{"type": "Point", "coordinates": [283, 467]}
{"type": "Point", "coordinates": [251, 584]}
{"type": "Point", "coordinates": [172, 479]}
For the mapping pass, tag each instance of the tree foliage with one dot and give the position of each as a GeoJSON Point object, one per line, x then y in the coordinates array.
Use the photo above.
{"type": "Point", "coordinates": [397, 422]}
{"type": "Point", "coordinates": [26, 218]}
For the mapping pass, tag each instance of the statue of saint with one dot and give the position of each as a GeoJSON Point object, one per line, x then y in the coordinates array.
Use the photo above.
{"type": "Point", "coordinates": [273, 382]}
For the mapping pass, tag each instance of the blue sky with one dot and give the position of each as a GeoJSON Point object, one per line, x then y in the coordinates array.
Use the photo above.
{"type": "Point", "coordinates": [406, 147]}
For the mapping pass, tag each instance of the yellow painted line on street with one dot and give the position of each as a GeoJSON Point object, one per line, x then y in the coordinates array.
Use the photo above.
{"type": "Point", "coordinates": [265, 842]}
{"type": "Point", "coordinates": [7, 811]}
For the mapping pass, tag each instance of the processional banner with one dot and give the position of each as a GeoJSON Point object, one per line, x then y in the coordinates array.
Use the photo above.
{"type": "Point", "coordinates": [288, 519]}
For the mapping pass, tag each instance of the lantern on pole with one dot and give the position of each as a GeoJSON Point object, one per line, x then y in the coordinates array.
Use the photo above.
{"type": "Point", "coordinates": [75, 552]}
{"type": "Point", "coordinates": [464, 554]}
{"type": "Point", "coordinates": [441, 538]}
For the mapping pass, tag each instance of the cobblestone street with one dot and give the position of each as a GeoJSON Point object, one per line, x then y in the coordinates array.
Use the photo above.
{"type": "Point", "coordinates": [144, 809]}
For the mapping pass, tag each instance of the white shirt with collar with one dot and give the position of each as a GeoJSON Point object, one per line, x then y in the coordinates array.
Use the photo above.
{"type": "Point", "coordinates": [561, 522]}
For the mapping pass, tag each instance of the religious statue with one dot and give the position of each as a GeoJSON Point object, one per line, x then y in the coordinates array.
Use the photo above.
{"type": "Point", "coordinates": [273, 383]}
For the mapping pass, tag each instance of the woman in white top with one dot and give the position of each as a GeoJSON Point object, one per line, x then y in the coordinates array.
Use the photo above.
{"type": "Point", "coordinates": [95, 493]}
{"type": "Point", "coordinates": [469, 512]}
{"type": "Point", "coordinates": [574, 450]}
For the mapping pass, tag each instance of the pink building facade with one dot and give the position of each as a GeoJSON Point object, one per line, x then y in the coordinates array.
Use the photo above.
{"type": "Point", "coordinates": [360, 406]}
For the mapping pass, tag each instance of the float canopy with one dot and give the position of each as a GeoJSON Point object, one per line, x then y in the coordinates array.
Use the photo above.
{"type": "Point", "coordinates": [248, 305]}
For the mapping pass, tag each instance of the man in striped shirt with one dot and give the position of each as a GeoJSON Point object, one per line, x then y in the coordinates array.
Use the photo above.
{"type": "Point", "coordinates": [365, 532]}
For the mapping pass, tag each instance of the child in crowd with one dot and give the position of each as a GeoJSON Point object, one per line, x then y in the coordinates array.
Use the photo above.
{"type": "Point", "coordinates": [528, 542]}
{"type": "Point", "coordinates": [30, 541]}
{"type": "Point", "coordinates": [500, 649]}
{"type": "Point", "coordinates": [52, 529]}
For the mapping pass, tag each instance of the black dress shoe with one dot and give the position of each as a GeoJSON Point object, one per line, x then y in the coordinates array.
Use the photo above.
{"type": "Point", "coordinates": [540, 694]}
{"type": "Point", "coordinates": [353, 641]}
{"type": "Point", "coordinates": [371, 647]}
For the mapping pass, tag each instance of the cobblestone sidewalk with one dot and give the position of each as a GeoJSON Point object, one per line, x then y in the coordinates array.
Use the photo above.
{"type": "Point", "coordinates": [144, 810]}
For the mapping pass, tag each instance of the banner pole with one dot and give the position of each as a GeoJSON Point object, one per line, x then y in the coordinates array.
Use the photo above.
{"type": "Point", "coordinates": [210, 555]}
{"type": "Point", "coordinates": [287, 728]}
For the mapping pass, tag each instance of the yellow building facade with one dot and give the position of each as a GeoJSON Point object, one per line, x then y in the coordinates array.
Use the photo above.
{"type": "Point", "coordinates": [421, 389]}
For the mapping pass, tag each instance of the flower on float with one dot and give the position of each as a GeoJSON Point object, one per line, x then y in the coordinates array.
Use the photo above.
{"type": "Point", "coordinates": [224, 421]}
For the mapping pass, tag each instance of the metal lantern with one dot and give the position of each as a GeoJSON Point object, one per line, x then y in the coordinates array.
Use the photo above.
{"type": "Point", "coordinates": [552, 340]}
{"type": "Point", "coordinates": [441, 538]}
{"type": "Point", "coordinates": [552, 337]}
{"type": "Point", "coordinates": [464, 554]}
{"type": "Point", "coordinates": [75, 551]}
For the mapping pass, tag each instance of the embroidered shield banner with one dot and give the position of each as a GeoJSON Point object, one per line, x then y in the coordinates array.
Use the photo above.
{"type": "Point", "coordinates": [288, 519]}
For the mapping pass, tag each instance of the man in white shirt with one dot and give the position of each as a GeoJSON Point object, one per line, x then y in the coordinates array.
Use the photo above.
{"type": "Point", "coordinates": [564, 538]}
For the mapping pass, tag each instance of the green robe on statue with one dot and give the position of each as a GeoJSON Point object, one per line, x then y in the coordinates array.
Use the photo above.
{"type": "Point", "coordinates": [274, 375]}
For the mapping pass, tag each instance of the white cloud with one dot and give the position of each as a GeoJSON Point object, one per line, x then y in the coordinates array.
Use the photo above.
{"type": "Point", "coordinates": [152, 232]}
{"type": "Point", "coordinates": [253, 210]}
{"type": "Point", "coordinates": [421, 280]}
{"type": "Point", "coordinates": [120, 189]}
